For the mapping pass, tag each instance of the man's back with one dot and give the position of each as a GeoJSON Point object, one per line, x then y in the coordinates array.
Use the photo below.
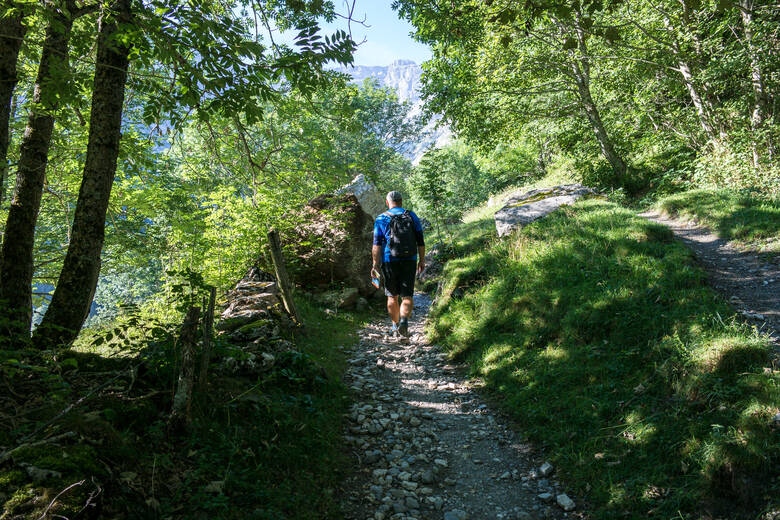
{"type": "Point", "coordinates": [382, 233]}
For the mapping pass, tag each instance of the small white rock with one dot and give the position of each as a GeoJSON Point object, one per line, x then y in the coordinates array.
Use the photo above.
{"type": "Point", "coordinates": [566, 503]}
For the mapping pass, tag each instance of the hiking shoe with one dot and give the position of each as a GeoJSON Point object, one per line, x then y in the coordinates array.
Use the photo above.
{"type": "Point", "coordinates": [403, 327]}
{"type": "Point", "coordinates": [393, 332]}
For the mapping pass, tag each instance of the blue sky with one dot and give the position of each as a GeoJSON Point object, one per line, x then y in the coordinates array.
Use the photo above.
{"type": "Point", "coordinates": [387, 37]}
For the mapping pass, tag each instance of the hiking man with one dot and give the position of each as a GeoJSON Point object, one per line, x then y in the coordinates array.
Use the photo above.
{"type": "Point", "coordinates": [398, 243]}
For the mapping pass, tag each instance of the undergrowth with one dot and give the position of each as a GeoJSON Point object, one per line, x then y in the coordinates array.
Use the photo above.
{"type": "Point", "coordinates": [261, 445]}
{"type": "Point", "coordinates": [598, 334]}
{"type": "Point", "coordinates": [753, 221]}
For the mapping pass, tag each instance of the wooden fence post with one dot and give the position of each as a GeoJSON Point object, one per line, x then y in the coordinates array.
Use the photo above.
{"type": "Point", "coordinates": [182, 399]}
{"type": "Point", "coordinates": [281, 275]}
{"type": "Point", "coordinates": [208, 330]}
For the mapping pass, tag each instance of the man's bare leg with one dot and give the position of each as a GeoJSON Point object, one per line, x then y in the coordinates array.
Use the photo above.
{"type": "Point", "coordinates": [393, 309]}
{"type": "Point", "coordinates": [407, 304]}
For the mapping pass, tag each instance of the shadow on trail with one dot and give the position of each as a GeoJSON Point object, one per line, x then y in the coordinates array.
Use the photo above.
{"type": "Point", "coordinates": [599, 334]}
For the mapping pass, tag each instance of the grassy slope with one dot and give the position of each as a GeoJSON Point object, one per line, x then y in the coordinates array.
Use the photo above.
{"type": "Point", "coordinates": [752, 221]}
{"type": "Point", "coordinates": [256, 450]}
{"type": "Point", "coordinates": [598, 333]}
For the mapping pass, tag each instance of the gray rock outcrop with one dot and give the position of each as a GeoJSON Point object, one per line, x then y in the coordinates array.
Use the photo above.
{"type": "Point", "coordinates": [366, 194]}
{"type": "Point", "coordinates": [523, 208]}
{"type": "Point", "coordinates": [332, 245]}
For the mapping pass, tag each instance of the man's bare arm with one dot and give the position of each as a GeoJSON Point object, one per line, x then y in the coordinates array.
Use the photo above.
{"type": "Point", "coordinates": [420, 259]}
{"type": "Point", "coordinates": [376, 254]}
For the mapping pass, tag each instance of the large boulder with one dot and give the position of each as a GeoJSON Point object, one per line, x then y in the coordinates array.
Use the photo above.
{"type": "Point", "coordinates": [366, 194]}
{"type": "Point", "coordinates": [522, 208]}
{"type": "Point", "coordinates": [333, 244]}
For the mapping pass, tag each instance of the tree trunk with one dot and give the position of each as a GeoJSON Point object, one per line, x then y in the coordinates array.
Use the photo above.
{"type": "Point", "coordinates": [699, 102]}
{"type": "Point", "coordinates": [72, 297]}
{"type": "Point", "coordinates": [12, 32]}
{"type": "Point", "coordinates": [19, 239]}
{"type": "Point", "coordinates": [698, 91]}
{"type": "Point", "coordinates": [760, 95]}
{"type": "Point", "coordinates": [282, 279]}
{"type": "Point", "coordinates": [580, 66]}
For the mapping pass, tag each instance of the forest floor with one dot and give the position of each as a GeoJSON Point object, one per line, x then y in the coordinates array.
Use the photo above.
{"type": "Point", "coordinates": [426, 445]}
{"type": "Point", "coordinates": [749, 282]}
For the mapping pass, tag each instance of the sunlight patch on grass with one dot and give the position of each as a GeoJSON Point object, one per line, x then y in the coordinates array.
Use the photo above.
{"type": "Point", "coordinates": [554, 354]}
{"type": "Point", "coordinates": [497, 355]}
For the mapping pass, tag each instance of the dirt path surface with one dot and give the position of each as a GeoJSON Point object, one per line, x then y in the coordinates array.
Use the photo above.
{"type": "Point", "coordinates": [751, 285]}
{"type": "Point", "coordinates": [427, 447]}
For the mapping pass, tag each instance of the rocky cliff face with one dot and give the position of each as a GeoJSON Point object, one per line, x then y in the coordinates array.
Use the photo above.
{"type": "Point", "coordinates": [404, 77]}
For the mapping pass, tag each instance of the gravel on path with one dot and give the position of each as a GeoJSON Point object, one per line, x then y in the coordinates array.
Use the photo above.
{"type": "Point", "coordinates": [427, 447]}
{"type": "Point", "coordinates": [750, 284]}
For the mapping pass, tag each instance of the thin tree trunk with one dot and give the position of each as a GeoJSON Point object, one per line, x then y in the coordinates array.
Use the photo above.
{"type": "Point", "coordinates": [282, 279]}
{"type": "Point", "coordinates": [12, 31]}
{"type": "Point", "coordinates": [19, 238]}
{"type": "Point", "coordinates": [697, 91]}
{"type": "Point", "coordinates": [700, 102]}
{"type": "Point", "coordinates": [4, 164]}
{"type": "Point", "coordinates": [72, 297]}
{"type": "Point", "coordinates": [580, 67]}
{"type": "Point", "coordinates": [760, 96]}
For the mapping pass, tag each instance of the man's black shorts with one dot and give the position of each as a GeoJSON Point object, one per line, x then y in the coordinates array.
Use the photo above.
{"type": "Point", "coordinates": [399, 277]}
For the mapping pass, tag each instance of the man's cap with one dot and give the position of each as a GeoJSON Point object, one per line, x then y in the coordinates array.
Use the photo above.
{"type": "Point", "coordinates": [394, 195]}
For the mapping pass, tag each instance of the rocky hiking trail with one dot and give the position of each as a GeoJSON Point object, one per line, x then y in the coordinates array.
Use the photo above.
{"type": "Point", "coordinates": [750, 284]}
{"type": "Point", "coordinates": [426, 446]}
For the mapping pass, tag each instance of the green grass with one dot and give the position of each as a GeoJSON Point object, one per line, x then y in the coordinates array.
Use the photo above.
{"type": "Point", "coordinates": [263, 445]}
{"type": "Point", "coordinates": [751, 221]}
{"type": "Point", "coordinates": [598, 333]}
{"type": "Point", "coordinates": [300, 478]}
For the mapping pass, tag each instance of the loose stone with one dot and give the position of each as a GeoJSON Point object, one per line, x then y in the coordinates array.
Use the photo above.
{"type": "Point", "coordinates": [566, 503]}
{"type": "Point", "coordinates": [546, 469]}
{"type": "Point", "coordinates": [456, 514]}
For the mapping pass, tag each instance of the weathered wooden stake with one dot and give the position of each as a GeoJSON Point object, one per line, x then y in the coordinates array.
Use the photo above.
{"type": "Point", "coordinates": [182, 399]}
{"type": "Point", "coordinates": [208, 329]}
{"type": "Point", "coordinates": [281, 275]}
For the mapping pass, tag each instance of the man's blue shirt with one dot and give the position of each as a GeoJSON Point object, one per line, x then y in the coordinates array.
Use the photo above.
{"type": "Point", "coordinates": [381, 225]}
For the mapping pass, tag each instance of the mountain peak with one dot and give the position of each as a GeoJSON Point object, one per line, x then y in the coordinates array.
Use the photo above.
{"type": "Point", "coordinates": [403, 76]}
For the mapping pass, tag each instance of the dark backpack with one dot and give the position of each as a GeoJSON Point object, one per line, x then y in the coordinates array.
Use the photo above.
{"type": "Point", "coordinates": [401, 239]}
